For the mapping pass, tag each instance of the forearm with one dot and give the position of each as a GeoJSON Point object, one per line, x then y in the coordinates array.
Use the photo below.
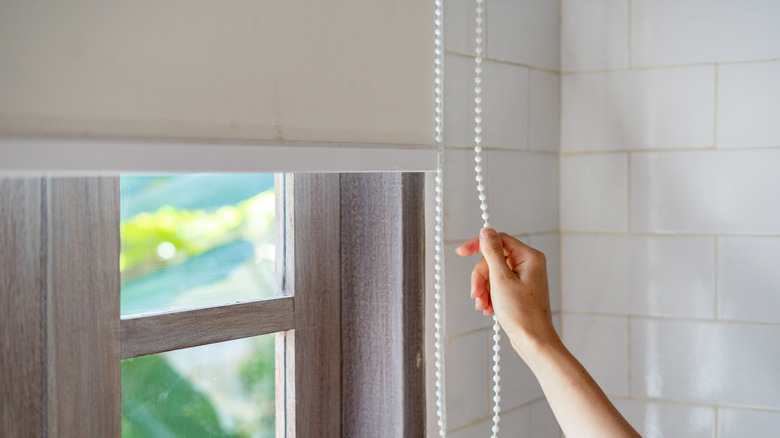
{"type": "Point", "coordinates": [580, 406]}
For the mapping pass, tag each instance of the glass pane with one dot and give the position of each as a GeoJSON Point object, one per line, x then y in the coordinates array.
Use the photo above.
{"type": "Point", "coordinates": [218, 390]}
{"type": "Point", "coordinates": [191, 241]}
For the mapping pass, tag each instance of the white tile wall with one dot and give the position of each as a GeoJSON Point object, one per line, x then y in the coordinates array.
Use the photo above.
{"type": "Point", "coordinates": [504, 106]}
{"type": "Point", "coordinates": [659, 420]}
{"type": "Point", "coordinates": [458, 101]}
{"type": "Point", "coordinates": [706, 362]}
{"type": "Point", "coordinates": [477, 430]}
{"type": "Point", "coordinates": [459, 26]}
{"type": "Point", "coordinates": [640, 275]}
{"type": "Point", "coordinates": [594, 34]}
{"type": "Point", "coordinates": [523, 191]}
{"type": "Point", "coordinates": [524, 31]}
{"type": "Point", "coordinates": [739, 423]}
{"type": "Point", "coordinates": [516, 422]}
{"type": "Point", "coordinates": [638, 109]}
{"type": "Point", "coordinates": [467, 385]}
{"type": "Point", "coordinates": [600, 343]}
{"type": "Point", "coordinates": [543, 111]}
{"type": "Point", "coordinates": [673, 32]}
{"type": "Point", "coordinates": [693, 233]}
{"type": "Point", "coordinates": [594, 192]}
{"type": "Point", "coordinates": [706, 192]}
{"type": "Point", "coordinates": [462, 216]}
{"type": "Point", "coordinates": [543, 422]}
{"type": "Point", "coordinates": [749, 278]}
{"type": "Point", "coordinates": [461, 316]}
{"type": "Point", "coordinates": [748, 104]}
{"type": "Point", "coordinates": [549, 245]}
{"type": "Point", "coordinates": [522, 386]}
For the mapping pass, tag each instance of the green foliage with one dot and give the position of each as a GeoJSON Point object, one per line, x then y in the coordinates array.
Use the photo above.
{"type": "Point", "coordinates": [158, 402]}
{"type": "Point", "coordinates": [191, 232]}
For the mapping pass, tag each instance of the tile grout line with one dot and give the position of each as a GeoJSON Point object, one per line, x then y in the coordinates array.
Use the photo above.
{"type": "Point", "coordinates": [501, 61]}
{"type": "Point", "coordinates": [673, 318]}
{"type": "Point", "coordinates": [628, 354]}
{"type": "Point", "coordinates": [568, 154]}
{"type": "Point", "coordinates": [715, 422]}
{"type": "Point", "coordinates": [662, 67]}
{"type": "Point", "coordinates": [628, 193]}
{"type": "Point", "coordinates": [715, 109]}
{"type": "Point", "coordinates": [659, 234]}
{"type": "Point", "coordinates": [715, 281]}
{"type": "Point", "coordinates": [628, 37]}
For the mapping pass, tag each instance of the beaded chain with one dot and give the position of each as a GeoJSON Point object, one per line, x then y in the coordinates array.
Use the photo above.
{"type": "Point", "coordinates": [483, 202]}
{"type": "Point", "coordinates": [438, 237]}
{"type": "Point", "coordinates": [439, 234]}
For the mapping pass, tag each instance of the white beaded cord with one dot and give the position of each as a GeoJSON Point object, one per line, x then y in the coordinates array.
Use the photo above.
{"type": "Point", "coordinates": [439, 227]}
{"type": "Point", "coordinates": [483, 202]}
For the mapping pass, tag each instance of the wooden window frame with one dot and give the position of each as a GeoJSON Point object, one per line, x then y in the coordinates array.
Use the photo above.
{"type": "Point", "coordinates": [350, 331]}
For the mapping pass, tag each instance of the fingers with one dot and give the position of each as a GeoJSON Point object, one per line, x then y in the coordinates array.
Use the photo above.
{"type": "Point", "coordinates": [492, 248]}
{"type": "Point", "coordinates": [469, 248]}
{"type": "Point", "coordinates": [480, 289]}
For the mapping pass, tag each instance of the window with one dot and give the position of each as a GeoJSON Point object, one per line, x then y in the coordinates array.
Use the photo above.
{"type": "Point", "coordinates": [350, 353]}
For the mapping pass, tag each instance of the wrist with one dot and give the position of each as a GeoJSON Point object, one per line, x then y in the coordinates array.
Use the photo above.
{"type": "Point", "coordinates": [533, 348]}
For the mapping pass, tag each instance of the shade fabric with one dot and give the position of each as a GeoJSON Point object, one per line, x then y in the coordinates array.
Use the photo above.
{"type": "Point", "coordinates": [265, 71]}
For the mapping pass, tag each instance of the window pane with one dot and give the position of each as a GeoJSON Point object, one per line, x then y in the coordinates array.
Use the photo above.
{"type": "Point", "coordinates": [191, 241]}
{"type": "Point", "coordinates": [218, 390]}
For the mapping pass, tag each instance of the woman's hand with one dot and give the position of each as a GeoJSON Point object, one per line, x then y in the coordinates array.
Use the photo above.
{"type": "Point", "coordinates": [511, 280]}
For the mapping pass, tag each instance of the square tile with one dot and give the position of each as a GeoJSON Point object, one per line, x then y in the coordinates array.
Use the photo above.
{"type": "Point", "coordinates": [739, 423]}
{"type": "Point", "coordinates": [544, 112]}
{"type": "Point", "coordinates": [543, 422]}
{"type": "Point", "coordinates": [458, 101]}
{"type": "Point", "coordinates": [638, 109]}
{"type": "Point", "coordinates": [658, 420]}
{"type": "Point", "coordinates": [749, 105]}
{"type": "Point", "coordinates": [459, 306]}
{"type": "Point", "coordinates": [522, 191]}
{"type": "Point", "coordinates": [735, 192]}
{"type": "Point", "coordinates": [504, 106]}
{"type": "Point", "coordinates": [518, 384]}
{"type": "Point", "coordinates": [600, 343]}
{"type": "Point", "coordinates": [640, 275]}
{"type": "Point", "coordinates": [706, 362]}
{"type": "Point", "coordinates": [594, 34]}
{"type": "Point", "coordinates": [594, 192]}
{"type": "Point", "coordinates": [462, 215]}
{"type": "Point", "coordinates": [466, 379]}
{"type": "Point", "coordinates": [524, 31]}
{"type": "Point", "coordinates": [748, 278]}
{"type": "Point", "coordinates": [671, 32]}
{"type": "Point", "coordinates": [549, 245]}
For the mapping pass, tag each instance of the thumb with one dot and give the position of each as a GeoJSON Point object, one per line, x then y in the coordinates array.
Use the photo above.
{"type": "Point", "coordinates": [493, 250]}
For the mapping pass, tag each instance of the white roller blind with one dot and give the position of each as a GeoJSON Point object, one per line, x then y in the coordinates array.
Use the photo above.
{"type": "Point", "coordinates": [344, 73]}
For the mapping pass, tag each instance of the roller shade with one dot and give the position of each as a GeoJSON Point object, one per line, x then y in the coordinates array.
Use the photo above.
{"type": "Point", "coordinates": [346, 75]}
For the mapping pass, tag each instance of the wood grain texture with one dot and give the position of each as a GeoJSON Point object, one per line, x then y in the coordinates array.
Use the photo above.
{"type": "Point", "coordinates": [172, 331]}
{"type": "Point", "coordinates": [313, 276]}
{"type": "Point", "coordinates": [82, 293]}
{"type": "Point", "coordinates": [382, 275]}
{"type": "Point", "coordinates": [21, 304]}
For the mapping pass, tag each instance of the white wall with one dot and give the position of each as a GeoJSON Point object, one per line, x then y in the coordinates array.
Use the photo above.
{"type": "Point", "coordinates": [520, 137]}
{"type": "Point", "coordinates": [670, 210]}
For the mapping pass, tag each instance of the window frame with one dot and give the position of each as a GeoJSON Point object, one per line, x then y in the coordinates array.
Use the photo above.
{"type": "Point", "coordinates": [350, 333]}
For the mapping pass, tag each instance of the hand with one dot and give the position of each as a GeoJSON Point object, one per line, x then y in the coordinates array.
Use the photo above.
{"type": "Point", "coordinates": [511, 280]}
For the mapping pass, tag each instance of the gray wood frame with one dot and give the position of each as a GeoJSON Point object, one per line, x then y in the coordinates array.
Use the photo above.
{"type": "Point", "coordinates": [62, 376]}
{"type": "Point", "coordinates": [350, 359]}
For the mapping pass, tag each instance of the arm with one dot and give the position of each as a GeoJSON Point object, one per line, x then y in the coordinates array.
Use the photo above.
{"type": "Point", "coordinates": [511, 280]}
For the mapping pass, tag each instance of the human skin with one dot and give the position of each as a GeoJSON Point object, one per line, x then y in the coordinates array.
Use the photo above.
{"type": "Point", "coordinates": [511, 280]}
